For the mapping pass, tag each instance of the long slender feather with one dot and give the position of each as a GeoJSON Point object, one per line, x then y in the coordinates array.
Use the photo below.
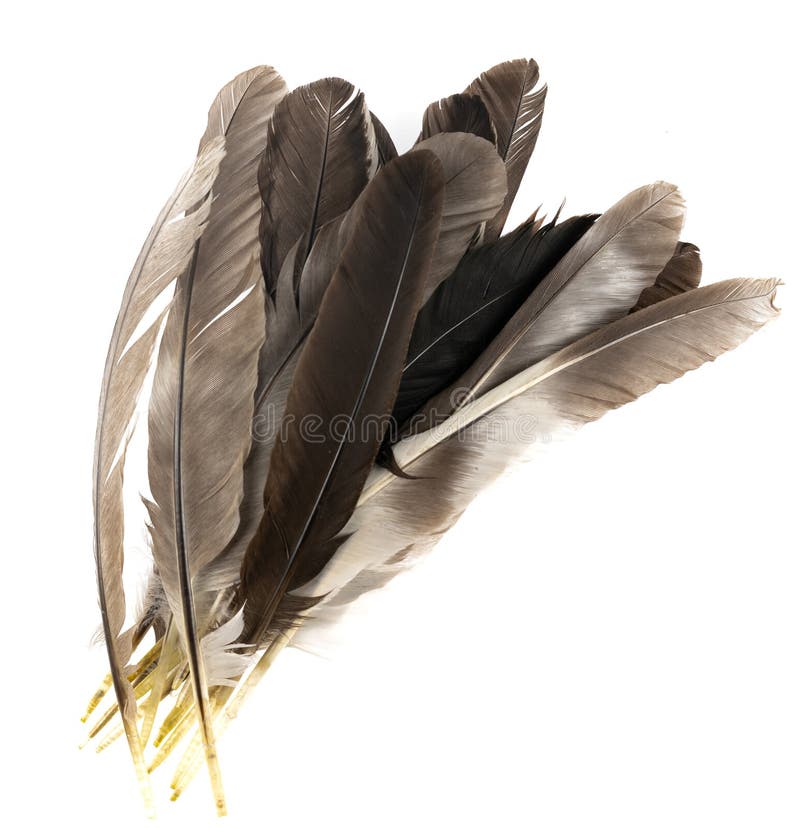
{"type": "Point", "coordinates": [250, 98]}
{"type": "Point", "coordinates": [320, 153]}
{"type": "Point", "coordinates": [202, 400]}
{"type": "Point", "coordinates": [347, 378]}
{"type": "Point", "coordinates": [597, 281]}
{"type": "Point", "coordinates": [164, 254]}
{"type": "Point", "coordinates": [515, 104]}
{"type": "Point", "coordinates": [397, 518]}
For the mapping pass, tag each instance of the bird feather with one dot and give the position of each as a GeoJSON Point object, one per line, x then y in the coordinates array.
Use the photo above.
{"type": "Point", "coordinates": [319, 155]}
{"type": "Point", "coordinates": [597, 281]}
{"type": "Point", "coordinates": [163, 255]}
{"type": "Point", "coordinates": [515, 104]}
{"type": "Point", "coordinates": [360, 339]}
{"type": "Point", "coordinates": [681, 273]}
{"type": "Point", "coordinates": [201, 405]}
{"type": "Point", "coordinates": [397, 519]}
{"type": "Point", "coordinates": [458, 113]}
{"type": "Point", "coordinates": [475, 187]}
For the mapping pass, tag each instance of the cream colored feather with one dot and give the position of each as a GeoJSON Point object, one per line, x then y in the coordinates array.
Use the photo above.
{"type": "Point", "coordinates": [398, 518]}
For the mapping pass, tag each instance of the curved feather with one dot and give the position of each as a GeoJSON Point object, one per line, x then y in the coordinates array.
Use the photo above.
{"type": "Point", "coordinates": [164, 254]}
{"type": "Point", "coordinates": [397, 519]}
{"type": "Point", "coordinates": [201, 405]}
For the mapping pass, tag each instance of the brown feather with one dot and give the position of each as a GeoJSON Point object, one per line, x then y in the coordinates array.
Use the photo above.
{"type": "Point", "coordinates": [319, 155]}
{"type": "Point", "coordinates": [458, 113]}
{"type": "Point", "coordinates": [681, 273]}
{"type": "Point", "coordinates": [347, 378]}
{"type": "Point", "coordinates": [475, 187]}
{"type": "Point", "coordinates": [201, 405]}
{"type": "Point", "coordinates": [398, 519]}
{"type": "Point", "coordinates": [595, 283]}
{"type": "Point", "coordinates": [515, 105]}
{"type": "Point", "coordinates": [164, 254]}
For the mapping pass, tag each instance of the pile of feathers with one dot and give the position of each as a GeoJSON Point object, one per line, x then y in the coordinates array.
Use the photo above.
{"type": "Point", "coordinates": [335, 346]}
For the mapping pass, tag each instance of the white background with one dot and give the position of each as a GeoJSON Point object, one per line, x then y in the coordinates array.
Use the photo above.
{"type": "Point", "coordinates": [608, 637]}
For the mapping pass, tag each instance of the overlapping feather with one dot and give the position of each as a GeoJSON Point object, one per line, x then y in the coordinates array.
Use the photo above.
{"type": "Point", "coordinates": [322, 282]}
{"type": "Point", "coordinates": [163, 256]}
{"type": "Point", "coordinates": [347, 376]}
{"type": "Point", "coordinates": [201, 405]}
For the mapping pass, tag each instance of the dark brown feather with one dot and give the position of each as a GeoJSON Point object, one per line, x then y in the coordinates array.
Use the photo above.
{"type": "Point", "coordinates": [320, 153]}
{"type": "Point", "coordinates": [383, 141]}
{"type": "Point", "coordinates": [346, 380]}
{"type": "Point", "coordinates": [458, 113]}
{"type": "Point", "coordinates": [682, 272]}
